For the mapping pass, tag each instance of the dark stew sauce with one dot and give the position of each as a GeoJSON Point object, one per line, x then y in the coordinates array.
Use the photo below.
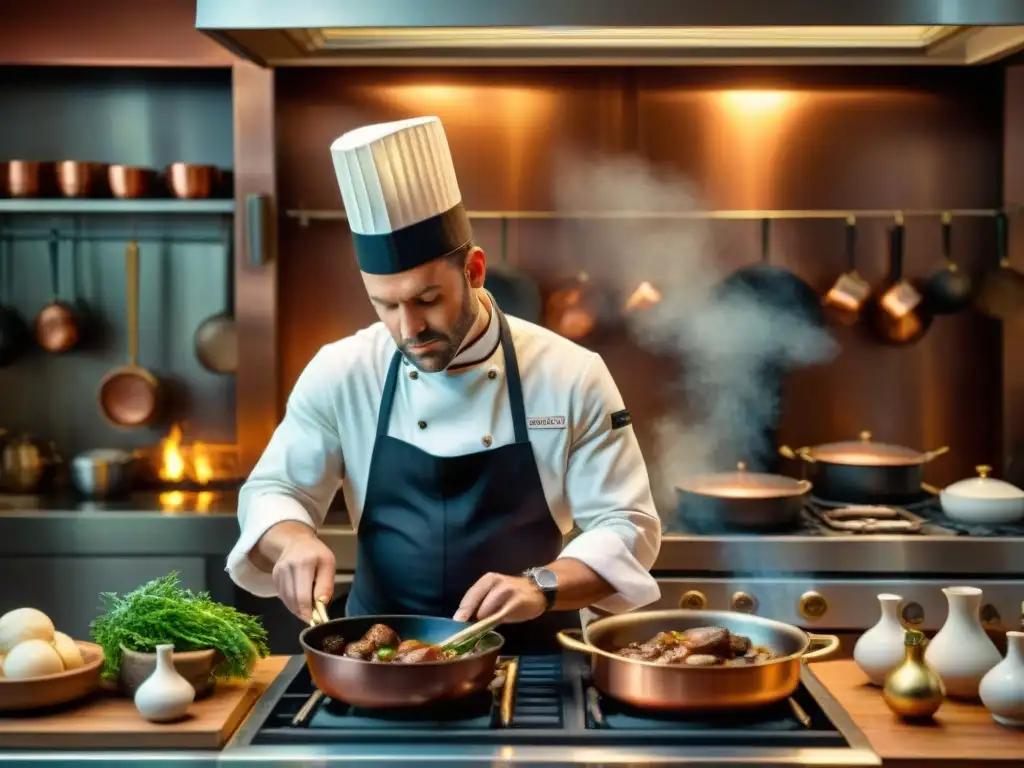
{"type": "Point", "coordinates": [699, 647]}
{"type": "Point", "coordinates": [381, 644]}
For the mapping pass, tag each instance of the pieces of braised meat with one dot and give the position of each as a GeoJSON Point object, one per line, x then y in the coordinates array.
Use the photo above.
{"type": "Point", "coordinates": [378, 636]}
{"type": "Point", "coordinates": [334, 645]}
{"type": "Point", "coordinates": [698, 647]}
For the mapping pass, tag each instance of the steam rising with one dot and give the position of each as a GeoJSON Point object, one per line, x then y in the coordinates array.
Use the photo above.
{"type": "Point", "coordinates": [724, 344]}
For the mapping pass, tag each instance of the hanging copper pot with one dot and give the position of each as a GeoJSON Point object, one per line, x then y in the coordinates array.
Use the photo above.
{"type": "Point", "coordinates": [573, 309]}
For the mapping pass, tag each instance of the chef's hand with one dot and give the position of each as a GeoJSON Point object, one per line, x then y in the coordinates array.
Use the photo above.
{"type": "Point", "coordinates": [494, 591]}
{"type": "Point", "coordinates": [304, 571]}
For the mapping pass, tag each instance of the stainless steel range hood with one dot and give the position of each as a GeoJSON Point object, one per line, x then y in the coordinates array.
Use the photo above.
{"type": "Point", "coordinates": [608, 32]}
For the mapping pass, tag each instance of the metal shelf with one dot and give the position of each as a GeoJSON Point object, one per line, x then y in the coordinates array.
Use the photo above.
{"type": "Point", "coordinates": [305, 216]}
{"type": "Point", "coordinates": [123, 207]}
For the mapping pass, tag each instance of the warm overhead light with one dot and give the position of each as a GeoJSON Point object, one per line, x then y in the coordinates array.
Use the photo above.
{"type": "Point", "coordinates": [748, 102]}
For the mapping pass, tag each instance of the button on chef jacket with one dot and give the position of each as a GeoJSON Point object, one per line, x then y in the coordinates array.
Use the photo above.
{"type": "Point", "coordinates": [590, 464]}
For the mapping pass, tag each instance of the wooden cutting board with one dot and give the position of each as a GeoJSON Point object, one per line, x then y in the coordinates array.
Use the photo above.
{"type": "Point", "coordinates": [962, 733]}
{"type": "Point", "coordinates": [109, 722]}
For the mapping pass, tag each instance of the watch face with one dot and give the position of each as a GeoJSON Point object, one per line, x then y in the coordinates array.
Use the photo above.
{"type": "Point", "coordinates": [545, 578]}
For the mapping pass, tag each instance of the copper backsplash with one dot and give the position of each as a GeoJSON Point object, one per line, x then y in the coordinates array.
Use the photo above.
{"type": "Point", "coordinates": [850, 139]}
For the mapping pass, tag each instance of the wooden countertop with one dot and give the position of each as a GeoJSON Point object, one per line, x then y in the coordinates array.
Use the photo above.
{"type": "Point", "coordinates": [962, 733]}
{"type": "Point", "coordinates": [105, 721]}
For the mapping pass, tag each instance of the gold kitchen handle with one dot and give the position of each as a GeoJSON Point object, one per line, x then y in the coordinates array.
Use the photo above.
{"type": "Point", "coordinates": [319, 613]}
{"type": "Point", "coordinates": [926, 457]}
{"type": "Point", "coordinates": [800, 454]}
{"type": "Point", "coordinates": [829, 643]}
{"type": "Point", "coordinates": [567, 639]}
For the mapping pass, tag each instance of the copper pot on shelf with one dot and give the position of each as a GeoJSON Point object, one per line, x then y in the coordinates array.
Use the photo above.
{"type": "Point", "coordinates": [684, 688]}
{"type": "Point", "coordinates": [21, 178]}
{"type": "Point", "coordinates": [187, 181]}
{"type": "Point", "coordinates": [79, 179]}
{"type": "Point", "coordinates": [129, 182]}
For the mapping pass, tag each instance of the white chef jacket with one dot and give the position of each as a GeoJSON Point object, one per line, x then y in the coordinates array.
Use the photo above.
{"type": "Point", "coordinates": [591, 473]}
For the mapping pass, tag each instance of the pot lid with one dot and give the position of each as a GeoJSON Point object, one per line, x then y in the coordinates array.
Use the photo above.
{"type": "Point", "coordinates": [984, 487]}
{"type": "Point", "coordinates": [742, 484]}
{"type": "Point", "coordinates": [866, 452]}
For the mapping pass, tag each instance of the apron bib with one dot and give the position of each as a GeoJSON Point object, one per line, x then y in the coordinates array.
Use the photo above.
{"type": "Point", "coordinates": [432, 525]}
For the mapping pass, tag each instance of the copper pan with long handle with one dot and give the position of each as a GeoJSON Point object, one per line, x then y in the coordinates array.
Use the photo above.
{"type": "Point", "coordinates": [683, 688]}
{"type": "Point", "coordinates": [391, 685]}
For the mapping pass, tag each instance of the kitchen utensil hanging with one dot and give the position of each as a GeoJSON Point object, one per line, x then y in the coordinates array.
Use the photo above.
{"type": "Point", "coordinates": [15, 337]}
{"type": "Point", "coordinates": [515, 291]}
{"type": "Point", "coordinates": [1001, 292]}
{"type": "Point", "coordinates": [898, 315]}
{"type": "Point", "coordinates": [845, 300]}
{"type": "Point", "coordinates": [949, 290]}
{"type": "Point", "coordinates": [216, 338]}
{"type": "Point", "coordinates": [130, 396]}
{"type": "Point", "coordinates": [57, 325]}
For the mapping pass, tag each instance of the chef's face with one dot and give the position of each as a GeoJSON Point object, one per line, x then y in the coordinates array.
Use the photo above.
{"type": "Point", "coordinates": [430, 309]}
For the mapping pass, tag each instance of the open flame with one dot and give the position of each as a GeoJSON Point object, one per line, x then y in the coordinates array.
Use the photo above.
{"type": "Point", "coordinates": [179, 463]}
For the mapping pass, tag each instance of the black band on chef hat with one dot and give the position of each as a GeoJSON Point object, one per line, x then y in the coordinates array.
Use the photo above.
{"type": "Point", "coordinates": [413, 245]}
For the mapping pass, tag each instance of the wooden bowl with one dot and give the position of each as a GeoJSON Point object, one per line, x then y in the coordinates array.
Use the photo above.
{"type": "Point", "coordinates": [53, 690]}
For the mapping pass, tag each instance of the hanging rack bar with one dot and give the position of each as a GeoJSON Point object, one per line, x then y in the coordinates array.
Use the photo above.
{"type": "Point", "coordinates": [305, 216]}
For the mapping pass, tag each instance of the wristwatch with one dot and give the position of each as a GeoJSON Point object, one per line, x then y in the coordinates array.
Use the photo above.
{"type": "Point", "coordinates": [546, 581]}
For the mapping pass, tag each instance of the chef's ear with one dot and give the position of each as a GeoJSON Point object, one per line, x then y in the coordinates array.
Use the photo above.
{"type": "Point", "coordinates": [476, 266]}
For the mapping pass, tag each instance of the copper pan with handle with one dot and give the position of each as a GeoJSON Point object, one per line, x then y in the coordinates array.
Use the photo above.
{"type": "Point", "coordinates": [394, 686]}
{"type": "Point", "coordinates": [683, 688]}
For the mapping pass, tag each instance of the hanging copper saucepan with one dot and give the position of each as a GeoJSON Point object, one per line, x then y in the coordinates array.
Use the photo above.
{"type": "Point", "coordinates": [863, 471]}
{"type": "Point", "coordinates": [742, 500]}
{"type": "Point", "coordinates": [130, 396]}
{"type": "Point", "coordinates": [572, 310]}
{"type": "Point", "coordinates": [685, 688]}
{"type": "Point", "coordinates": [57, 326]}
{"type": "Point", "coordinates": [948, 290]}
{"type": "Point", "coordinates": [1001, 292]}
{"type": "Point", "coordinates": [846, 298]}
{"type": "Point", "coordinates": [899, 314]}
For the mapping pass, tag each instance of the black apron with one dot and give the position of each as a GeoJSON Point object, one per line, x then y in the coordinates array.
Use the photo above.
{"type": "Point", "coordinates": [432, 525]}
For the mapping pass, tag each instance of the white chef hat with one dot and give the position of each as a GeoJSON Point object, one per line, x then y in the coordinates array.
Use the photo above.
{"type": "Point", "coordinates": [400, 193]}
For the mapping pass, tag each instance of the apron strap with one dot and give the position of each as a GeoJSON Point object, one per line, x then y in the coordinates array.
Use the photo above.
{"type": "Point", "coordinates": [384, 414]}
{"type": "Point", "coordinates": [514, 381]}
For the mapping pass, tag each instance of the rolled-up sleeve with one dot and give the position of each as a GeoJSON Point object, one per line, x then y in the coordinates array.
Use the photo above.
{"type": "Point", "coordinates": [609, 493]}
{"type": "Point", "coordinates": [297, 475]}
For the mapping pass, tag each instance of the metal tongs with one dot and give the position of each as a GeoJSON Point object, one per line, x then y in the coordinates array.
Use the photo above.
{"type": "Point", "coordinates": [319, 617]}
{"type": "Point", "coordinates": [466, 638]}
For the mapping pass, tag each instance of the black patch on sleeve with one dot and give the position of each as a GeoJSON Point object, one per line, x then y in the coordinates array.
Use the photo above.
{"type": "Point", "coordinates": [621, 419]}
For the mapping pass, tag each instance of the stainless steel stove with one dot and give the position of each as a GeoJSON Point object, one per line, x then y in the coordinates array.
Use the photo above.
{"type": "Point", "coordinates": [824, 574]}
{"type": "Point", "coordinates": [543, 710]}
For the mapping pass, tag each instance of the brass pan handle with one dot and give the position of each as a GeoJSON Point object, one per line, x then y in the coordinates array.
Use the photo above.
{"type": "Point", "coordinates": [800, 454]}
{"type": "Point", "coordinates": [829, 643]}
{"type": "Point", "coordinates": [925, 458]}
{"type": "Point", "coordinates": [567, 639]}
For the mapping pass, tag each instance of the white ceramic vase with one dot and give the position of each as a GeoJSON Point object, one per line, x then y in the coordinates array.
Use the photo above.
{"type": "Point", "coordinates": [1002, 689]}
{"type": "Point", "coordinates": [961, 652]}
{"type": "Point", "coordinates": [165, 695]}
{"type": "Point", "coordinates": [881, 649]}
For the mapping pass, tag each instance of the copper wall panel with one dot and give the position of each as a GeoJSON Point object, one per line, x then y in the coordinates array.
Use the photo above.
{"type": "Point", "coordinates": [106, 32]}
{"type": "Point", "coordinates": [857, 138]}
{"type": "Point", "coordinates": [866, 139]}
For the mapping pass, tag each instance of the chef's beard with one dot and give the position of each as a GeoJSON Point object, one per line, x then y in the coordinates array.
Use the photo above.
{"type": "Point", "coordinates": [441, 356]}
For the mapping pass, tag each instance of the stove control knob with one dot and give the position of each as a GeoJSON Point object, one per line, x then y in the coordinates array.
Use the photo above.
{"type": "Point", "coordinates": [743, 602]}
{"type": "Point", "coordinates": [913, 613]}
{"type": "Point", "coordinates": [694, 600]}
{"type": "Point", "coordinates": [813, 605]}
{"type": "Point", "coordinates": [989, 614]}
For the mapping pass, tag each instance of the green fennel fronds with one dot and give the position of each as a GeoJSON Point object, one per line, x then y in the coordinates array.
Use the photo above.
{"type": "Point", "coordinates": [163, 612]}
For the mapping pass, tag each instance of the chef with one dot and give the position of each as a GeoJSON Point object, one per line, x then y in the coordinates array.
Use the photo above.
{"type": "Point", "coordinates": [467, 443]}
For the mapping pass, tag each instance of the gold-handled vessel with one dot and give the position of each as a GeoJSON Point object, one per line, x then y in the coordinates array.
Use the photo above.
{"type": "Point", "coordinates": [681, 688]}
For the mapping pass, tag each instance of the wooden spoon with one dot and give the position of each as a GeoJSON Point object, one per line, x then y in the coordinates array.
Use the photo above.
{"type": "Point", "coordinates": [479, 629]}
